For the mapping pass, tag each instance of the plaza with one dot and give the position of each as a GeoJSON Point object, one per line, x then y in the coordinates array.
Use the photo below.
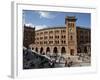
{"type": "Point", "coordinates": [67, 46]}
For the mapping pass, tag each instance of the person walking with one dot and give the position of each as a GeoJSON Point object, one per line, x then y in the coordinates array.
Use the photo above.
{"type": "Point", "coordinates": [66, 63]}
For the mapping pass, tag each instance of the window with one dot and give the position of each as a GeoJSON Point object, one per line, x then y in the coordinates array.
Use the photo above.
{"type": "Point", "coordinates": [45, 37]}
{"type": "Point", "coordinates": [50, 42]}
{"type": "Point", "coordinates": [61, 36]}
{"type": "Point", "coordinates": [41, 33]}
{"type": "Point", "coordinates": [41, 42]}
{"type": "Point", "coordinates": [69, 24]}
{"type": "Point", "coordinates": [51, 32]}
{"type": "Point", "coordinates": [58, 37]}
{"type": "Point", "coordinates": [57, 31]}
{"type": "Point", "coordinates": [64, 31]}
{"type": "Point", "coordinates": [37, 42]}
{"type": "Point", "coordinates": [64, 36]}
{"type": "Point", "coordinates": [64, 42]}
{"type": "Point", "coordinates": [71, 37]}
{"type": "Point", "coordinates": [45, 32]}
{"type": "Point", "coordinates": [41, 37]}
{"type": "Point", "coordinates": [37, 38]}
{"type": "Point", "coordinates": [56, 42]}
{"type": "Point", "coordinates": [45, 42]}
{"type": "Point", "coordinates": [50, 37]}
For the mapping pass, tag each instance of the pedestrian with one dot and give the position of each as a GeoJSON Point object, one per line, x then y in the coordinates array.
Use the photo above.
{"type": "Point", "coordinates": [69, 62]}
{"type": "Point", "coordinates": [66, 63]}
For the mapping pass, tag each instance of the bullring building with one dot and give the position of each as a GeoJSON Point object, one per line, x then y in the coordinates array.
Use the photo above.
{"type": "Point", "coordinates": [67, 40]}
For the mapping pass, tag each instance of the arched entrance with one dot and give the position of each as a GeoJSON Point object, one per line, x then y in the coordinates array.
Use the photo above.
{"type": "Point", "coordinates": [36, 49]}
{"type": "Point", "coordinates": [55, 50]}
{"type": "Point", "coordinates": [48, 50]}
{"type": "Point", "coordinates": [63, 51]}
{"type": "Point", "coordinates": [32, 48]}
{"type": "Point", "coordinates": [41, 50]}
{"type": "Point", "coordinates": [79, 50]}
{"type": "Point", "coordinates": [85, 49]}
{"type": "Point", "coordinates": [72, 52]}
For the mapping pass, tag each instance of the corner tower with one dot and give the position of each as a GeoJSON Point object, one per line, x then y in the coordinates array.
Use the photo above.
{"type": "Point", "coordinates": [70, 22]}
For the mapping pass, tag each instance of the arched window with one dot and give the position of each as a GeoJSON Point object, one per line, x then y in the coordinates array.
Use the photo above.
{"type": "Point", "coordinates": [71, 37]}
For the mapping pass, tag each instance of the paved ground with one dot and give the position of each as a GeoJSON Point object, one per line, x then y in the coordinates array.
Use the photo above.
{"type": "Point", "coordinates": [77, 63]}
{"type": "Point", "coordinates": [81, 64]}
{"type": "Point", "coordinates": [74, 65]}
{"type": "Point", "coordinates": [34, 60]}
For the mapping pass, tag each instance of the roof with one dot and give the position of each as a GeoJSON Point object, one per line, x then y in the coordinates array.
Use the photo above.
{"type": "Point", "coordinates": [82, 27]}
{"type": "Point", "coordinates": [51, 28]}
{"type": "Point", "coordinates": [79, 27]}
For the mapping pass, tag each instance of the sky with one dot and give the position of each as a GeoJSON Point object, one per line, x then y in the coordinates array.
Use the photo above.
{"type": "Point", "coordinates": [44, 19]}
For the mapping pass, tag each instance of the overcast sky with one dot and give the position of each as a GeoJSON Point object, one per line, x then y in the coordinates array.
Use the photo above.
{"type": "Point", "coordinates": [43, 19]}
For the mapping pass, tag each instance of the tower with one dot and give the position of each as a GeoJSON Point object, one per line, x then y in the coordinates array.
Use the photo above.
{"type": "Point", "coordinates": [70, 22]}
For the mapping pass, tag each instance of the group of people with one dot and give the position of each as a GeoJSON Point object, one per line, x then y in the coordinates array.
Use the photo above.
{"type": "Point", "coordinates": [68, 62]}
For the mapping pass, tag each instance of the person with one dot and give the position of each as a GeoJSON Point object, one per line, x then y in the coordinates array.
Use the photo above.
{"type": "Point", "coordinates": [66, 63]}
{"type": "Point", "coordinates": [69, 62]}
